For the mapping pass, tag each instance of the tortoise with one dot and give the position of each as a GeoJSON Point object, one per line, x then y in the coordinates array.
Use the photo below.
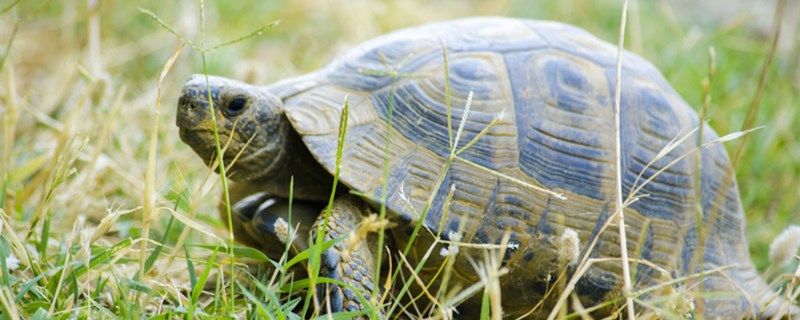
{"type": "Point", "coordinates": [480, 129]}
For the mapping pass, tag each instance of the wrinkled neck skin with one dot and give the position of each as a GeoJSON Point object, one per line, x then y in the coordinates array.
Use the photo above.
{"type": "Point", "coordinates": [311, 181]}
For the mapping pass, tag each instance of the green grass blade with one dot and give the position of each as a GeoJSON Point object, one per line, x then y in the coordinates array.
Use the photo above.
{"type": "Point", "coordinates": [190, 267]}
{"type": "Point", "coordinates": [307, 253]}
{"type": "Point", "coordinates": [239, 252]}
{"type": "Point", "coordinates": [198, 286]}
{"type": "Point", "coordinates": [263, 310]}
{"type": "Point", "coordinates": [485, 305]}
{"type": "Point", "coordinates": [314, 261]}
{"type": "Point", "coordinates": [5, 252]}
{"type": "Point", "coordinates": [148, 265]}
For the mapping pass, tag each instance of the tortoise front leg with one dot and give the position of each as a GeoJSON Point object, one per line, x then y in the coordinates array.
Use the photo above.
{"type": "Point", "coordinates": [263, 221]}
{"type": "Point", "coordinates": [350, 260]}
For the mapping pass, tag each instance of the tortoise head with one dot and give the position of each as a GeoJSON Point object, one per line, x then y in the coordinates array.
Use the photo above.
{"type": "Point", "coordinates": [249, 121]}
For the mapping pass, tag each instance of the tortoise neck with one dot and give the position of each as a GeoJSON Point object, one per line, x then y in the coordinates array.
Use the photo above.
{"type": "Point", "coordinates": [311, 181]}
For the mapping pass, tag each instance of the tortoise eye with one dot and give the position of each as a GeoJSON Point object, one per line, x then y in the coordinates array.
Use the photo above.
{"type": "Point", "coordinates": [235, 106]}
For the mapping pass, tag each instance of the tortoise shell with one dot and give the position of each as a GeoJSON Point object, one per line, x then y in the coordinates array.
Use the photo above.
{"type": "Point", "coordinates": [539, 126]}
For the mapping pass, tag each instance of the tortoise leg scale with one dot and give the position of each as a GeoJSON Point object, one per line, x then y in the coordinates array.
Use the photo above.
{"type": "Point", "coordinates": [349, 260]}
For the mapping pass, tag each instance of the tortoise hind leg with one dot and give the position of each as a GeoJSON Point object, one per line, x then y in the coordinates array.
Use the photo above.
{"type": "Point", "coordinates": [348, 261]}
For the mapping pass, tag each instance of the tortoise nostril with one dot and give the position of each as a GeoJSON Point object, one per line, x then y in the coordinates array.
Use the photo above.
{"type": "Point", "coordinates": [186, 103]}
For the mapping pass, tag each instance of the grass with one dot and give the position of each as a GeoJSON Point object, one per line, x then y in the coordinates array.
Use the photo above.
{"type": "Point", "coordinates": [96, 188]}
{"type": "Point", "coordinates": [618, 207]}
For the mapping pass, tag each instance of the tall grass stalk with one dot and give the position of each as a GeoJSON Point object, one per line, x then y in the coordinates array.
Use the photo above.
{"type": "Point", "coordinates": [420, 223]}
{"type": "Point", "coordinates": [755, 103]}
{"type": "Point", "coordinates": [315, 260]}
{"type": "Point", "coordinates": [747, 126]}
{"type": "Point", "coordinates": [636, 27]}
{"type": "Point", "coordinates": [384, 191]}
{"type": "Point", "coordinates": [698, 176]}
{"type": "Point", "coordinates": [223, 178]}
{"type": "Point", "coordinates": [93, 38]}
{"type": "Point", "coordinates": [620, 215]}
{"type": "Point", "coordinates": [202, 50]}
{"type": "Point", "coordinates": [148, 201]}
{"type": "Point", "coordinates": [65, 273]}
{"type": "Point", "coordinates": [11, 38]}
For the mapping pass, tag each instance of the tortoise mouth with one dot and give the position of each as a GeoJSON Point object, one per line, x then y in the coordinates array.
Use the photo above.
{"type": "Point", "coordinates": [201, 140]}
{"type": "Point", "coordinates": [240, 155]}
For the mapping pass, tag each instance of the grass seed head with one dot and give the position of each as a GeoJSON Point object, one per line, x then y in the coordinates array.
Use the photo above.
{"type": "Point", "coordinates": [452, 248]}
{"type": "Point", "coordinates": [679, 302]}
{"type": "Point", "coordinates": [785, 246]}
{"type": "Point", "coordinates": [282, 230]}
{"type": "Point", "coordinates": [569, 246]}
{"type": "Point", "coordinates": [370, 224]}
{"type": "Point", "coordinates": [12, 262]}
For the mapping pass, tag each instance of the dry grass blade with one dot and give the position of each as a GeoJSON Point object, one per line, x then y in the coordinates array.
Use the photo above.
{"type": "Point", "coordinates": [194, 198]}
{"type": "Point", "coordinates": [8, 45]}
{"type": "Point", "coordinates": [169, 28]}
{"type": "Point", "coordinates": [9, 6]}
{"type": "Point", "coordinates": [17, 246]}
{"type": "Point", "coordinates": [255, 33]}
{"type": "Point", "coordinates": [735, 135]}
{"type": "Point", "coordinates": [570, 287]}
{"type": "Point", "coordinates": [483, 246]}
{"type": "Point", "coordinates": [554, 194]}
{"type": "Point", "coordinates": [107, 223]}
{"type": "Point", "coordinates": [698, 165]}
{"type": "Point", "coordinates": [482, 133]}
{"type": "Point", "coordinates": [755, 103]}
{"type": "Point", "coordinates": [448, 98]}
{"type": "Point", "coordinates": [9, 306]}
{"type": "Point", "coordinates": [197, 226]}
{"type": "Point", "coordinates": [494, 270]}
{"type": "Point", "coordinates": [682, 279]}
{"type": "Point", "coordinates": [406, 284]}
{"type": "Point", "coordinates": [419, 281]}
{"type": "Point", "coordinates": [620, 215]}
{"type": "Point", "coordinates": [747, 126]}
{"type": "Point", "coordinates": [731, 136]}
{"type": "Point", "coordinates": [473, 289]}
{"type": "Point", "coordinates": [93, 39]}
{"type": "Point", "coordinates": [148, 199]}
{"type": "Point", "coordinates": [667, 149]}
